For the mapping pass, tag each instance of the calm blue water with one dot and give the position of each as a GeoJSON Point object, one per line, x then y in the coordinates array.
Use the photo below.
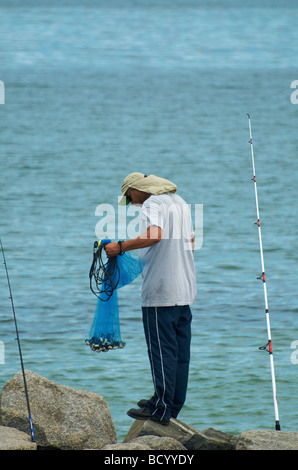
{"type": "Point", "coordinates": [94, 91]}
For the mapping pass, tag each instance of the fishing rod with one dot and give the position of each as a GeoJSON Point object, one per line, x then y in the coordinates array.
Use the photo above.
{"type": "Point", "coordinates": [19, 343]}
{"type": "Point", "coordinates": [263, 278]}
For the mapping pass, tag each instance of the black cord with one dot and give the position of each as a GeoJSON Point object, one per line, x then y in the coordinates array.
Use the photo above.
{"type": "Point", "coordinates": [104, 273]}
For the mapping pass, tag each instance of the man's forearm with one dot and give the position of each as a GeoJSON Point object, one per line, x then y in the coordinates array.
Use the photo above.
{"type": "Point", "coordinates": [150, 237]}
{"type": "Point", "coordinates": [137, 243]}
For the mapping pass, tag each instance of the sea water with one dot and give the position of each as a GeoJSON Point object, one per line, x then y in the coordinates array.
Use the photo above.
{"type": "Point", "coordinates": [96, 90]}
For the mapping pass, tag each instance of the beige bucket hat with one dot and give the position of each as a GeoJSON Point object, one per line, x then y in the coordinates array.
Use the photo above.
{"type": "Point", "coordinates": [148, 184]}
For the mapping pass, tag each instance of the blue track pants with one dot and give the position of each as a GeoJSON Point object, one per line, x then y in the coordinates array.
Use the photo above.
{"type": "Point", "coordinates": [168, 335]}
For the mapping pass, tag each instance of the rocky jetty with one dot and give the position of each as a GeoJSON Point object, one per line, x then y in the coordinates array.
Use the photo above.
{"type": "Point", "coordinates": [69, 419]}
{"type": "Point", "coordinates": [64, 418]}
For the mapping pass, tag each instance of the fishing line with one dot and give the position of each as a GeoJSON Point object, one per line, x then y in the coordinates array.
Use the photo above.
{"type": "Point", "coordinates": [19, 343]}
{"type": "Point", "coordinates": [104, 272]}
{"type": "Point", "coordinates": [263, 278]}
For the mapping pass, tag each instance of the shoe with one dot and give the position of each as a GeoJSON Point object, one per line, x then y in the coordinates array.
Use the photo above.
{"type": "Point", "coordinates": [164, 422]}
{"type": "Point", "coordinates": [141, 413]}
{"type": "Point", "coordinates": [145, 413]}
{"type": "Point", "coordinates": [143, 403]}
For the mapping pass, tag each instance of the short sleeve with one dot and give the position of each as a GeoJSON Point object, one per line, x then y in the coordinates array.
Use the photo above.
{"type": "Point", "coordinates": [151, 214]}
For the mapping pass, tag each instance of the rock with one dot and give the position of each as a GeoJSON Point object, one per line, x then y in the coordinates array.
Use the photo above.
{"type": "Point", "coordinates": [147, 443]}
{"type": "Point", "coordinates": [267, 440]}
{"type": "Point", "coordinates": [12, 439]}
{"type": "Point", "coordinates": [184, 434]}
{"type": "Point", "coordinates": [126, 446]}
{"type": "Point", "coordinates": [63, 417]}
{"type": "Point", "coordinates": [159, 443]}
{"type": "Point", "coordinates": [189, 437]}
{"type": "Point", "coordinates": [218, 440]}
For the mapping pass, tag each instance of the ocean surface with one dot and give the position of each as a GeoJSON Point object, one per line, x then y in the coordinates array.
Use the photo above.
{"type": "Point", "coordinates": [96, 90]}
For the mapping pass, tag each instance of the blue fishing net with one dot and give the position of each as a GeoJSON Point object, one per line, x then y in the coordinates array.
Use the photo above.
{"type": "Point", "coordinates": [106, 276]}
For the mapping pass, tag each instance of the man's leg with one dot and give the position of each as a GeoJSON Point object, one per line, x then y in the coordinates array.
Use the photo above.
{"type": "Point", "coordinates": [183, 334]}
{"type": "Point", "coordinates": [160, 331]}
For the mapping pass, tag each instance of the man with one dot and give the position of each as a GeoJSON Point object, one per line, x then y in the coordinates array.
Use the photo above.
{"type": "Point", "coordinates": [169, 287]}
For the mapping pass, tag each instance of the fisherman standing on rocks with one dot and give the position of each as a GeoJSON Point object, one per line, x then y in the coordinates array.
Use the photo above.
{"type": "Point", "coordinates": [166, 247]}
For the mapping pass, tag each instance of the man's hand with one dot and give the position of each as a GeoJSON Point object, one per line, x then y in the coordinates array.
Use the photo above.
{"type": "Point", "coordinates": [112, 249]}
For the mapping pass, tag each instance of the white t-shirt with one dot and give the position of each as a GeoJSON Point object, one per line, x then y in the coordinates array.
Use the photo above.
{"type": "Point", "coordinates": [169, 273]}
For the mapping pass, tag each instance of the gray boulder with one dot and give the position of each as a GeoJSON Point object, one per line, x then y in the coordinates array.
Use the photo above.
{"type": "Point", "coordinates": [126, 446]}
{"type": "Point", "coordinates": [159, 443]}
{"type": "Point", "coordinates": [12, 439]}
{"type": "Point", "coordinates": [63, 417]}
{"type": "Point", "coordinates": [189, 437]}
{"type": "Point", "coordinates": [147, 443]}
{"type": "Point", "coordinates": [267, 440]}
{"type": "Point", "coordinates": [218, 440]}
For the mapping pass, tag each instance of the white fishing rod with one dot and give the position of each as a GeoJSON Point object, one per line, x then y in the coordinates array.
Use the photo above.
{"type": "Point", "coordinates": [263, 278]}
